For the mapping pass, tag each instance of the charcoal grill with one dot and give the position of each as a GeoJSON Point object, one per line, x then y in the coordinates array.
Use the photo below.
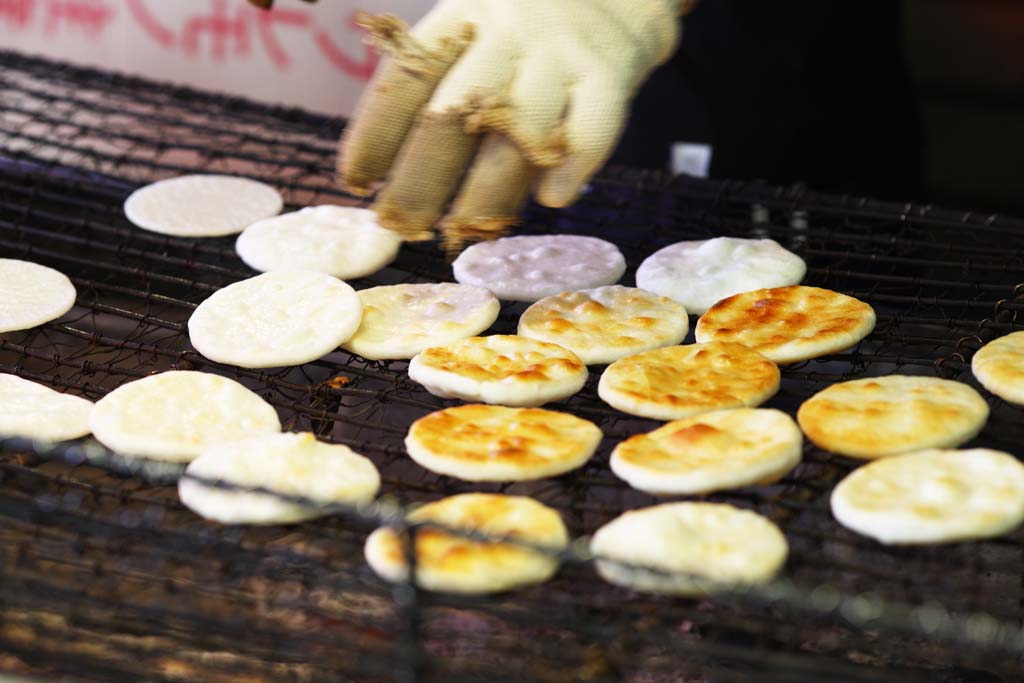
{"type": "Point", "coordinates": [104, 576]}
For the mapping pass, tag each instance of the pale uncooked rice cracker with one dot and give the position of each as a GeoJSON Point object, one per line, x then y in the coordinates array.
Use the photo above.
{"type": "Point", "coordinates": [287, 464]}
{"type": "Point", "coordinates": [698, 274]}
{"type": "Point", "coordinates": [692, 548]}
{"type": "Point", "coordinates": [720, 450]}
{"type": "Point", "coordinates": [788, 324]}
{"type": "Point", "coordinates": [342, 241]}
{"type": "Point", "coordinates": [495, 443]}
{"type": "Point", "coordinates": [201, 205]}
{"type": "Point", "coordinates": [999, 366]}
{"type": "Point", "coordinates": [280, 318]}
{"type": "Point", "coordinates": [880, 416]}
{"type": "Point", "coordinates": [34, 411]}
{"type": "Point", "coordinates": [531, 267]}
{"type": "Point", "coordinates": [681, 381]}
{"type": "Point", "coordinates": [31, 294]}
{"type": "Point", "coordinates": [933, 496]}
{"type": "Point", "coordinates": [455, 564]}
{"type": "Point", "coordinates": [605, 324]}
{"type": "Point", "coordinates": [174, 415]}
{"type": "Point", "coordinates": [502, 369]}
{"type": "Point", "coordinates": [400, 321]}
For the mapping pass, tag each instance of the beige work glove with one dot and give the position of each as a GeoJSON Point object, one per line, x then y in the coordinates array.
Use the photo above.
{"type": "Point", "coordinates": [500, 96]}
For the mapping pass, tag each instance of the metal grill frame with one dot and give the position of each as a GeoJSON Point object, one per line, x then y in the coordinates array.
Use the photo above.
{"type": "Point", "coordinates": [98, 554]}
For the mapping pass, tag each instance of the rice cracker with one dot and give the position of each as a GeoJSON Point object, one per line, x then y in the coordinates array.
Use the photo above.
{"type": "Point", "coordinates": [446, 562]}
{"type": "Point", "coordinates": [933, 496]}
{"type": "Point", "coordinates": [788, 324]}
{"type": "Point", "coordinates": [681, 381]}
{"type": "Point", "coordinates": [174, 415]}
{"type": "Point", "coordinates": [502, 369]}
{"type": "Point", "coordinates": [400, 321]}
{"type": "Point", "coordinates": [494, 443]}
{"type": "Point", "coordinates": [720, 450]}
{"type": "Point", "coordinates": [881, 416]}
{"type": "Point", "coordinates": [999, 366]}
{"type": "Point", "coordinates": [605, 324]}
{"type": "Point", "coordinates": [287, 464]}
{"type": "Point", "coordinates": [692, 548]}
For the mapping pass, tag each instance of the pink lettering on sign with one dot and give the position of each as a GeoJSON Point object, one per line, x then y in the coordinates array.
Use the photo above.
{"type": "Point", "coordinates": [160, 34]}
{"type": "Point", "coordinates": [267, 21]}
{"type": "Point", "coordinates": [88, 15]}
{"type": "Point", "coordinates": [19, 13]}
{"type": "Point", "coordinates": [357, 68]}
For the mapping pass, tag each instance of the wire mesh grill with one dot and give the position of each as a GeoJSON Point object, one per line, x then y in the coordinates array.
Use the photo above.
{"type": "Point", "coordinates": [107, 576]}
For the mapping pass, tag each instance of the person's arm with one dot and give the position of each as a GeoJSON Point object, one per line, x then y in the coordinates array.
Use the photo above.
{"type": "Point", "coordinates": [485, 100]}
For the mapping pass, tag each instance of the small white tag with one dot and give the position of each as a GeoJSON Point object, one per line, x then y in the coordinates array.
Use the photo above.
{"type": "Point", "coordinates": [691, 158]}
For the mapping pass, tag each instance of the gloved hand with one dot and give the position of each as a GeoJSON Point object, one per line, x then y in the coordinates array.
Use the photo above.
{"type": "Point", "coordinates": [522, 92]}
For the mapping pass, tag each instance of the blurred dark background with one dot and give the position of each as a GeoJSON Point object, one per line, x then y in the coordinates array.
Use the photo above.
{"type": "Point", "coordinates": [916, 100]}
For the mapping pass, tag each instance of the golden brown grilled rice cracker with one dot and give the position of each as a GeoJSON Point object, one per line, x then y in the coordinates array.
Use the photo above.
{"type": "Point", "coordinates": [679, 381]}
{"type": "Point", "coordinates": [788, 324]}
{"type": "Point", "coordinates": [494, 443]}
{"type": "Point", "coordinates": [455, 564]}
{"type": "Point", "coordinates": [879, 416]}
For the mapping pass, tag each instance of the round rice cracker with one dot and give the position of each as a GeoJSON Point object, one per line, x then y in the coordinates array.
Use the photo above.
{"type": "Point", "coordinates": [281, 318]}
{"type": "Point", "coordinates": [715, 451]}
{"type": "Point", "coordinates": [342, 241]}
{"type": "Point", "coordinates": [698, 274]}
{"type": "Point", "coordinates": [201, 205]}
{"type": "Point", "coordinates": [881, 416]}
{"type": "Point", "coordinates": [999, 366]}
{"type": "Point", "coordinates": [449, 563]}
{"type": "Point", "coordinates": [287, 464]}
{"type": "Point", "coordinates": [688, 549]}
{"type": "Point", "coordinates": [500, 369]}
{"type": "Point", "coordinates": [494, 443]}
{"type": "Point", "coordinates": [933, 496]}
{"type": "Point", "coordinates": [605, 324]}
{"type": "Point", "coordinates": [677, 382]}
{"type": "Point", "coordinates": [531, 267]}
{"type": "Point", "coordinates": [400, 321]}
{"type": "Point", "coordinates": [788, 324]}
{"type": "Point", "coordinates": [31, 294]}
{"type": "Point", "coordinates": [174, 415]}
{"type": "Point", "coordinates": [34, 411]}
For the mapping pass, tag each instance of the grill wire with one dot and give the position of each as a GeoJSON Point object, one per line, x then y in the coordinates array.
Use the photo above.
{"type": "Point", "coordinates": [106, 576]}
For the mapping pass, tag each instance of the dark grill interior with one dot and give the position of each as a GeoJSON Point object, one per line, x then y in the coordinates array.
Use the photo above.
{"type": "Point", "coordinates": [105, 576]}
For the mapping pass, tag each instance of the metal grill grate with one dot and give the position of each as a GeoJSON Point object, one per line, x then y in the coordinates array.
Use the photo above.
{"type": "Point", "coordinates": [105, 575]}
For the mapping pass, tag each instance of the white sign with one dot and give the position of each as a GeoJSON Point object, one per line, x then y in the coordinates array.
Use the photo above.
{"type": "Point", "coordinates": [306, 55]}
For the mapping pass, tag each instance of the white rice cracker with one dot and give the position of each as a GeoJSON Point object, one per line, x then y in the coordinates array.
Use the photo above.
{"type": "Point", "coordinates": [493, 443]}
{"type": "Point", "coordinates": [681, 381]}
{"type": "Point", "coordinates": [605, 324]}
{"type": "Point", "coordinates": [933, 496]}
{"type": "Point", "coordinates": [699, 274]}
{"type": "Point", "coordinates": [724, 449]}
{"type": "Point", "coordinates": [999, 366]}
{"type": "Point", "coordinates": [201, 205]}
{"type": "Point", "coordinates": [881, 416]}
{"type": "Point", "coordinates": [400, 321]}
{"type": "Point", "coordinates": [285, 317]}
{"type": "Point", "coordinates": [531, 267]}
{"type": "Point", "coordinates": [174, 415]}
{"type": "Point", "coordinates": [34, 411]}
{"type": "Point", "coordinates": [31, 294]}
{"type": "Point", "coordinates": [288, 464]}
{"type": "Point", "coordinates": [342, 241]}
{"type": "Point", "coordinates": [788, 324]}
{"type": "Point", "coordinates": [501, 369]}
{"type": "Point", "coordinates": [689, 549]}
{"type": "Point", "coordinates": [450, 563]}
